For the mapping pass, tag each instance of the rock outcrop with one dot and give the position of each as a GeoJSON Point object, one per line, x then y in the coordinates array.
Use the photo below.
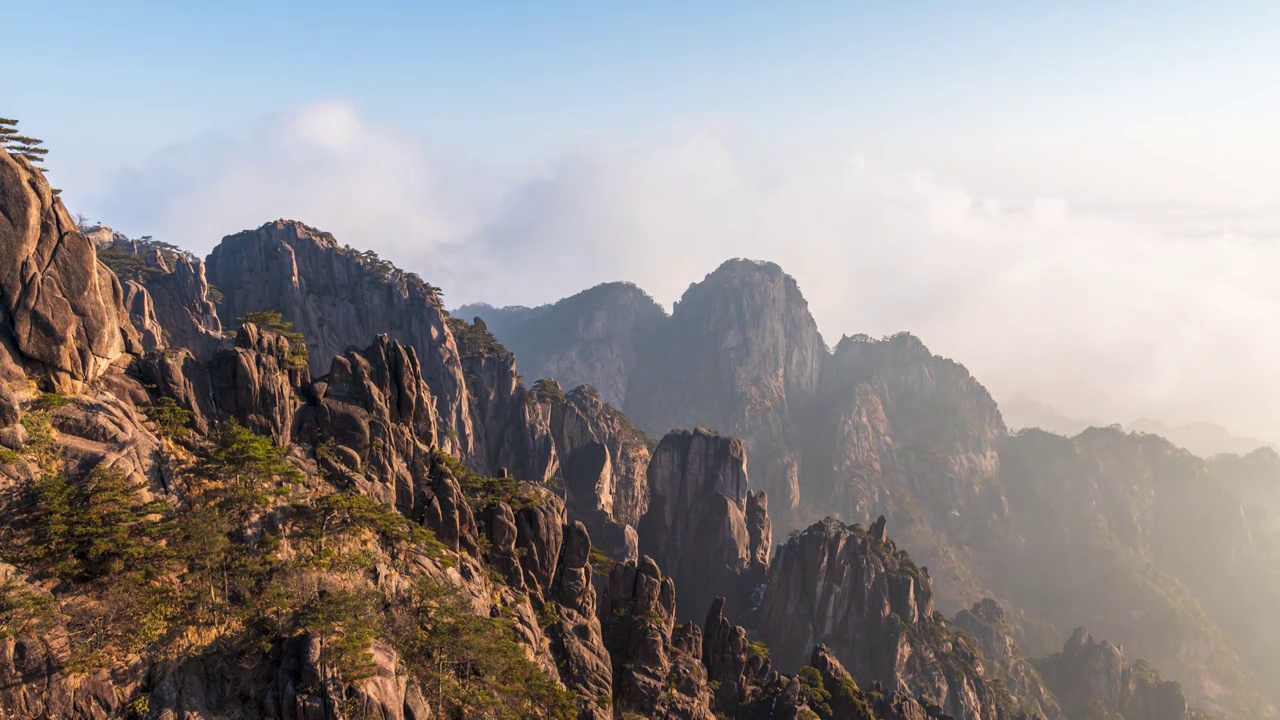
{"type": "Point", "coordinates": [604, 458]}
{"type": "Point", "coordinates": [1091, 677]}
{"type": "Point", "coordinates": [697, 521]}
{"type": "Point", "coordinates": [855, 592]}
{"type": "Point", "coordinates": [576, 637]}
{"type": "Point", "coordinates": [985, 624]}
{"type": "Point", "coordinates": [338, 298]}
{"type": "Point", "coordinates": [657, 665]}
{"type": "Point", "coordinates": [740, 355]}
{"type": "Point", "coordinates": [184, 303]}
{"type": "Point", "coordinates": [509, 429]}
{"type": "Point", "coordinates": [62, 317]}
{"type": "Point", "coordinates": [887, 427]}
{"type": "Point", "coordinates": [142, 313]}
{"type": "Point", "coordinates": [258, 382]}
{"type": "Point", "coordinates": [593, 338]}
{"type": "Point", "coordinates": [371, 420]}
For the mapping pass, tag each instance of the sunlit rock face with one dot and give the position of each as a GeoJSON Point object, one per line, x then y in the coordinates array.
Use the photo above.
{"type": "Point", "coordinates": [63, 318]}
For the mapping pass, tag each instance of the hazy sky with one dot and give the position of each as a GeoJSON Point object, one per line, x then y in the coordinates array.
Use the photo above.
{"type": "Point", "coordinates": [1081, 203]}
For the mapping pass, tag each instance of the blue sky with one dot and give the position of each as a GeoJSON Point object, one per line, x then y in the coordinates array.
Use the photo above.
{"type": "Point", "coordinates": [120, 80]}
{"type": "Point", "coordinates": [1077, 200]}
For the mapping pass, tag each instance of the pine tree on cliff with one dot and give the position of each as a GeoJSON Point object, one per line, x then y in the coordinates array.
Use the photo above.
{"type": "Point", "coordinates": [17, 144]}
{"type": "Point", "coordinates": [21, 145]}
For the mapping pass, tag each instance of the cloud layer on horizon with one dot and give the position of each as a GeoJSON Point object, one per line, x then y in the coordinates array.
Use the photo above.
{"type": "Point", "coordinates": [1097, 316]}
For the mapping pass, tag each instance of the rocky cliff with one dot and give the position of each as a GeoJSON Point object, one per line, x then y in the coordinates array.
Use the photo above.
{"type": "Point", "coordinates": [1085, 530]}
{"type": "Point", "coordinates": [984, 623]}
{"type": "Point", "coordinates": [1093, 680]}
{"type": "Point", "coordinates": [389, 523]}
{"type": "Point", "coordinates": [740, 355]}
{"type": "Point", "coordinates": [852, 590]}
{"type": "Point", "coordinates": [339, 298]}
{"type": "Point", "coordinates": [63, 319]}
{"type": "Point", "coordinates": [593, 338]}
{"type": "Point", "coordinates": [703, 523]}
{"type": "Point", "coordinates": [1119, 554]}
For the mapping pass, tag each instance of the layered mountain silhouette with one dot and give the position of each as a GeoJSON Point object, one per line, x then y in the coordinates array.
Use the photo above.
{"type": "Point", "coordinates": [285, 482]}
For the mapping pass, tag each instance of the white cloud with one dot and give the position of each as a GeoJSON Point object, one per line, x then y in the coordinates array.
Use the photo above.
{"type": "Point", "coordinates": [1102, 315]}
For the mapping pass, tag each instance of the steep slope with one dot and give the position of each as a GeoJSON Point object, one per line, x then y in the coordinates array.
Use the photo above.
{"type": "Point", "coordinates": [62, 318]}
{"type": "Point", "coordinates": [740, 355]}
{"type": "Point", "coordinates": [985, 624]}
{"type": "Point", "coordinates": [234, 538]}
{"type": "Point", "coordinates": [338, 298]}
{"type": "Point", "coordinates": [1092, 530]}
{"type": "Point", "coordinates": [703, 523]}
{"type": "Point", "coordinates": [592, 338]}
{"type": "Point", "coordinates": [1120, 553]}
{"type": "Point", "coordinates": [855, 592]}
{"type": "Point", "coordinates": [1093, 680]}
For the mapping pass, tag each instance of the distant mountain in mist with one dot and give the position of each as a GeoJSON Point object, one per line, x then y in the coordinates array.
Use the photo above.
{"type": "Point", "coordinates": [1200, 438]}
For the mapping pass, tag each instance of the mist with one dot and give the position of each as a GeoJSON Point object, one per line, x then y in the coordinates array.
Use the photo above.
{"type": "Point", "coordinates": [1113, 314]}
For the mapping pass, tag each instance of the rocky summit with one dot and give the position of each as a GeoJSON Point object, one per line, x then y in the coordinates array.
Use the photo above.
{"type": "Point", "coordinates": [285, 481]}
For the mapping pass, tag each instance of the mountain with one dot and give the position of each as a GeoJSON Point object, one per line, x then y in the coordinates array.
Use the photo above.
{"type": "Point", "coordinates": [1061, 531]}
{"type": "Point", "coordinates": [348, 504]}
{"type": "Point", "coordinates": [1202, 439]}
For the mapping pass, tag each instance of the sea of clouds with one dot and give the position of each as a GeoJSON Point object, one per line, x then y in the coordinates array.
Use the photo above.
{"type": "Point", "coordinates": [1101, 314]}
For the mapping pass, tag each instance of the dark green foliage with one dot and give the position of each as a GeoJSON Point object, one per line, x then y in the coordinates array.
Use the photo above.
{"type": "Point", "coordinates": [813, 691]}
{"type": "Point", "coordinates": [601, 562]}
{"type": "Point", "coordinates": [132, 577]}
{"type": "Point", "coordinates": [170, 418]}
{"type": "Point", "coordinates": [273, 321]}
{"type": "Point", "coordinates": [476, 340]}
{"type": "Point", "coordinates": [94, 533]}
{"type": "Point", "coordinates": [331, 518]}
{"type": "Point", "coordinates": [24, 609]}
{"type": "Point", "coordinates": [346, 623]}
{"type": "Point", "coordinates": [387, 271]}
{"type": "Point", "coordinates": [482, 492]}
{"type": "Point", "coordinates": [548, 390]}
{"type": "Point", "coordinates": [94, 527]}
{"type": "Point", "coordinates": [241, 471]}
{"type": "Point", "coordinates": [127, 265]}
{"type": "Point", "coordinates": [21, 145]}
{"type": "Point", "coordinates": [470, 665]}
{"type": "Point", "coordinates": [49, 401]}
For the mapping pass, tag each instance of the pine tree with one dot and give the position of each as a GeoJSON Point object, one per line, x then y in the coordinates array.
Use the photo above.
{"type": "Point", "coordinates": [23, 145]}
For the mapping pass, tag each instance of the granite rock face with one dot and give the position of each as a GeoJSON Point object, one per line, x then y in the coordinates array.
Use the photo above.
{"type": "Point", "coordinates": [985, 624]}
{"type": "Point", "coordinates": [61, 311]}
{"type": "Point", "coordinates": [338, 299]}
{"type": "Point", "coordinates": [142, 313]}
{"type": "Point", "coordinates": [510, 430]}
{"type": "Point", "coordinates": [886, 427]}
{"type": "Point", "coordinates": [697, 521]}
{"type": "Point", "coordinates": [372, 420]}
{"type": "Point", "coordinates": [576, 635]}
{"type": "Point", "coordinates": [184, 303]}
{"type": "Point", "coordinates": [593, 338]}
{"type": "Point", "coordinates": [740, 355]}
{"type": "Point", "coordinates": [604, 458]}
{"type": "Point", "coordinates": [855, 592]}
{"type": "Point", "coordinates": [1092, 677]}
{"type": "Point", "coordinates": [258, 382]}
{"type": "Point", "coordinates": [657, 665]}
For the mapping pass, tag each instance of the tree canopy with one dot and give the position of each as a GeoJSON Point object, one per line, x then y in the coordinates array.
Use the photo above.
{"type": "Point", "coordinates": [15, 143]}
